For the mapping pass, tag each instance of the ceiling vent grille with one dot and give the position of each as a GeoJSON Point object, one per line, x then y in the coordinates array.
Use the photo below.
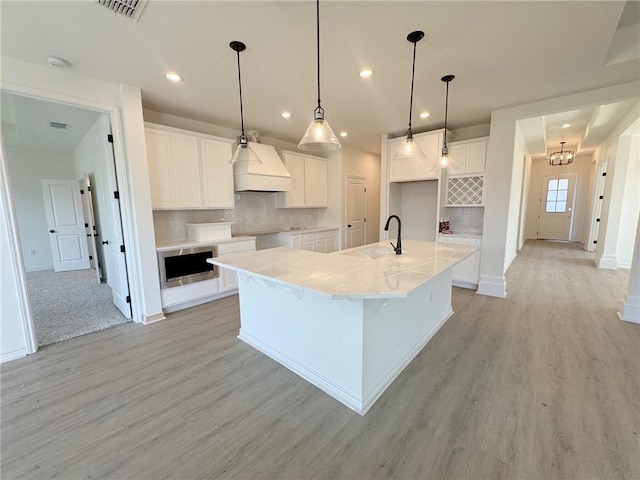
{"type": "Point", "coordinates": [128, 8]}
{"type": "Point", "coordinates": [59, 125]}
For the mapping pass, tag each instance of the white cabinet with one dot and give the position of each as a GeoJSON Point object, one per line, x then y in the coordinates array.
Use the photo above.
{"type": "Point", "coordinates": [404, 170]}
{"type": "Point", "coordinates": [324, 241]}
{"type": "Point", "coordinates": [188, 170]}
{"type": "Point", "coordinates": [309, 182]}
{"type": "Point", "coordinates": [465, 274]}
{"type": "Point", "coordinates": [228, 277]}
{"type": "Point", "coordinates": [469, 157]}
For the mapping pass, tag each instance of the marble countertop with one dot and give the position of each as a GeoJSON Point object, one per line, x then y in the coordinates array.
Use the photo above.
{"type": "Point", "coordinates": [176, 244]}
{"type": "Point", "coordinates": [461, 234]}
{"type": "Point", "coordinates": [370, 271]}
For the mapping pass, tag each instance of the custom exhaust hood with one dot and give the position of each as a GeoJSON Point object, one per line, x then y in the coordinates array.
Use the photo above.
{"type": "Point", "coordinates": [269, 176]}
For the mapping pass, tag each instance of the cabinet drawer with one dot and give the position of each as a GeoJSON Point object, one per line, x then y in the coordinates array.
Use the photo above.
{"type": "Point", "coordinates": [235, 247]}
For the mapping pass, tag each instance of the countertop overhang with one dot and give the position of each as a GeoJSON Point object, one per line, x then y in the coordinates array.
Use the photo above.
{"type": "Point", "coordinates": [370, 271]}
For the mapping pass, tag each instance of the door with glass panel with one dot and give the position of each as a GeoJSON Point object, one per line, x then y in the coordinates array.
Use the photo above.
{"type": "Point", "coordinates": [555, 215]}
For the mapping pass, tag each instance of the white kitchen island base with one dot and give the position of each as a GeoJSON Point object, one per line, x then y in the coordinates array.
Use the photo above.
{"type": "Point", "coordinates": [351, 348]}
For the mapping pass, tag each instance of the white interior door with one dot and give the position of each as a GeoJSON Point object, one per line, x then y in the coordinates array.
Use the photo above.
{"type": "Point", "coordinates": [65, 221]}
{"type": "Point", "coordinates": [555, 214]}
{"type": "Point", "coordinates": [90, 225]}
{"type": "Point", "coordinates": [597, 205]}
{"type": "Point", "coordinates": [356, 199]}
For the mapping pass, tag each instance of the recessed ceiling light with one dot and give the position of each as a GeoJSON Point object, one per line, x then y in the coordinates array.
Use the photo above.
{"type": "Point", "coordinates": [566, 125]}
{"type": "Point", "coordinates": [343, 134]}
{"type": "Point", "coordinates": [424, 115]}
{"type": "Point", "coordinates": [366, 73]}
{"type": "Point", "coordinates": [174, 77]}
{"type": "Point", "coordinates": [286, 114]}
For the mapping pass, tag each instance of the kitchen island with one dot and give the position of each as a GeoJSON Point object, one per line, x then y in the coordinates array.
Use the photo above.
{"type": "Point", "coordinates": [350, 321]}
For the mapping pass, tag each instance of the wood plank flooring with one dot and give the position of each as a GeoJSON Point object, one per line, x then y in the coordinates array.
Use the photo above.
{"type": "Point", "coordinates": [541, 385]}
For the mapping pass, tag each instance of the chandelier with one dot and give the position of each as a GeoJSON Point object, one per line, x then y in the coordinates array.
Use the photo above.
{"type": "Point", "coordinates": [561, 158]}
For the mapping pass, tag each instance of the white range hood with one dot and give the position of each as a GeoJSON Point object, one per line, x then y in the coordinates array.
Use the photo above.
{"type": "Point", "coordinates": [269, 176]}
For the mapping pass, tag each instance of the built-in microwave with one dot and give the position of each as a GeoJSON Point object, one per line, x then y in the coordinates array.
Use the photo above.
{"type": "Point", "coordinates": [186, 265]}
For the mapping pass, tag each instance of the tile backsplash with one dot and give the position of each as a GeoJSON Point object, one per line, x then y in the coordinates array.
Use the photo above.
{"type": "Point", "coordinates": [464, 220]}
{"type": "Point", "coordinates": [254, 212]}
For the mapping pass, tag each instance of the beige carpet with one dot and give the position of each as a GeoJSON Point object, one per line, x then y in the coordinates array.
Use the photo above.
{"type": "Point", "coordinates": [69, 304]}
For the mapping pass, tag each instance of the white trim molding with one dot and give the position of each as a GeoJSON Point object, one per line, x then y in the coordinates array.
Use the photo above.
{"type": "Point", "coordinates": [630, 310]}
{"type": "Point", "coordinates": [14, 355]}
{"type": "Point", "coordinates": [607, 262]}
{"type": "Point", "coordinates": [492, 286]}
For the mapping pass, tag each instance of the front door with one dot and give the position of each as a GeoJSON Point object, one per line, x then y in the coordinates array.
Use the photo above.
{"type": "Point", "coordinates": [555, 214]}
{"type": "Point", "coordinates": [356, 211]}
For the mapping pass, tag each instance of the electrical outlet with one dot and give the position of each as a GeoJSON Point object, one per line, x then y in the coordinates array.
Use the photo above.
{"type": "Point", "coordinates": [33, 253]}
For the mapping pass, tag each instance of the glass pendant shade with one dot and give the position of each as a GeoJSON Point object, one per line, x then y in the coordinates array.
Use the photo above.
{"type": "Point", "coordinates": [319, 137]}
{"type": "Point", "coordinates": [245, 154]}
{"type": "Point", "coordinates": [446, 161]}
{"type": "Point", "coordinates": [409, 150]}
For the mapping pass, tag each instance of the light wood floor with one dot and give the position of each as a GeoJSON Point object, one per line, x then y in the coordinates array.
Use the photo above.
{"type": "Point", "coordinates": [543, 384]}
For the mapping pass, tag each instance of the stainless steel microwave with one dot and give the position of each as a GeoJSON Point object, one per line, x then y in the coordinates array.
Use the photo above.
{"type": "Point", "coordinates": [186, 265]}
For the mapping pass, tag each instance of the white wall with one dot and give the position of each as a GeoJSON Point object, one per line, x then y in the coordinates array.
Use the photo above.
{"type": "Point", "coordinates": [26, 167]}
{"type": "Point", "coordinates": [621, 201]}
{"type": "Point", "coordinates": [359, 163]}
{"type": "Point", "coordinates": [513, 221]}
{"type": "Point", "coordinates": [90, 158]}
{"type": "Point", "coordinates": [582, 166]}
{"type": "Point", "coordinates": [124, 106]}
{"type": "Point", "coordinates": [525, 201]}
{"type": "Point", "coordinates": [13, 336]}
{"type": "Point", "coordinates": [499, 174]}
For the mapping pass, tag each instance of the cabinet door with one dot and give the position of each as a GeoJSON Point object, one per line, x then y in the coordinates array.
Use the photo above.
{"type": "Point", "coordinates": [217, 174]}
{"type": "Point", "coordinates": [458, 154]}
{"type": "Point", "coordinates": [315, 182]}
{"type": "Point", "coordinates": [428, 168]}
{"type": "Point", "coordinates": [463, 271]}
{"type": "Point", "coordinates": [160, 171]}
{"type": "Point", "coordinates": [295, 165]}
{"type": "Point", "coordinates": [309, 242]}
{"type": "Point", "coordinates": [186, 171]}
{"type": "Point", "coordinates": [228, 279]}
{"type": "Point", "coordinates": [296, 242]}
{"type": "Point", "coordinates": [476, 156]}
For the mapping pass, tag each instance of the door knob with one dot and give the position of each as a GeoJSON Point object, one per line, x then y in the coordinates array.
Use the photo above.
{"type": "Point", "coordinates": [349, 226]}
{"type": "Point", "coordinates": [52, 231]}
{"type": "Point", "coordinates": [105, 242]}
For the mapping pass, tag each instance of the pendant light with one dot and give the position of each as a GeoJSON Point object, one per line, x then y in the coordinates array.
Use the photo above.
{"type": "Point", "coordinates": [319, 137]}
{"type": "Point", "coordinates": [563, 157]}
{"type": "Point", "coordinates": [244, 153]}
{"type": "Point", "coordinates": [409, 149]}
{"type": "Point", "coordinates": [445, 159]}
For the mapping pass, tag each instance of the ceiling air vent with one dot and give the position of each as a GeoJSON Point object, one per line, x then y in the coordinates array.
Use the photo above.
{"type": "Point", "coordinates": [59, 125]}
{"type": "Point", "coordinates": [128, 8]}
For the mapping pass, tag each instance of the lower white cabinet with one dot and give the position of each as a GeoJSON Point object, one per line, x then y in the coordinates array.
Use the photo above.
{"type": "Point", "coordinates": [466, 274]}
{"type": "Point", "coordinates": [324, 241]}
{"type": "Point", "coordinates": [185, 296]}
{"type": "Point", "coordinates": [229, 278]}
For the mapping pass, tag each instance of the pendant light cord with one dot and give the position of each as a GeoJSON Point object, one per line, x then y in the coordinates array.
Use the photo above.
{"type": "Point", "coordinates": [318, 49]}
{"type": "Point", "coordinates": [240, 88]}
{"type": "Point", "coordinates": [413, 73]}
{"type": "Point", "coordinates": [446, 115]}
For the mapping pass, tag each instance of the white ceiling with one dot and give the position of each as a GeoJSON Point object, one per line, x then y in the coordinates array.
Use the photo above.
{"type": "Point", "coordinates": [502, 53]}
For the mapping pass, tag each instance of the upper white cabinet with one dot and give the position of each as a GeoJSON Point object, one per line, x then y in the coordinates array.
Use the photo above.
{"type": "Point", "coordinates": [188, 170]}
{"type": "Point", "coordinates": [309, 182]}
{"type": "Point", "coordinates": [469, 157]}
{"type": "Point", "coordinates": [403, 170]}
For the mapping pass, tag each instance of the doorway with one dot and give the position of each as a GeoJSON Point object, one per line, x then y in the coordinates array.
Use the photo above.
{"type": "Point", "coordinates": [52, 150]}
{"type": "Point", "coordinates": [555, 213]}
{"type": "Point", "coordinates": [356, 208]}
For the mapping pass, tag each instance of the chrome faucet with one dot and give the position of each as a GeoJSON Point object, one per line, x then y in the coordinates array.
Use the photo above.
{"type": "Point", "coordinates": [398, 246]}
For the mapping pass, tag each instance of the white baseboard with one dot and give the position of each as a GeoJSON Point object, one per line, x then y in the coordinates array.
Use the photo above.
{"type": "Point", "coordinates": [14, 355]}
{"type": "Point", "coordinates": [607, 262]}
{"type": "Point", "coordinates": [467, 285]}
{"type": "Point", "coordinates": [38, 269]}
{"type": "Point", "coordinates": [624, 265]}
{"type": "Point", "coordinates": [387, 379]}
{"type": "Point", "coordinates": [492, 286]}
{"type": "Point", "coordinates": [156, 317]}
{"type": "Point", "coordinates": [199, 301]}
{"type": "Point", "coordinates": [323, 383]}
{"type": "Point", "coordinates": [630, 310]}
